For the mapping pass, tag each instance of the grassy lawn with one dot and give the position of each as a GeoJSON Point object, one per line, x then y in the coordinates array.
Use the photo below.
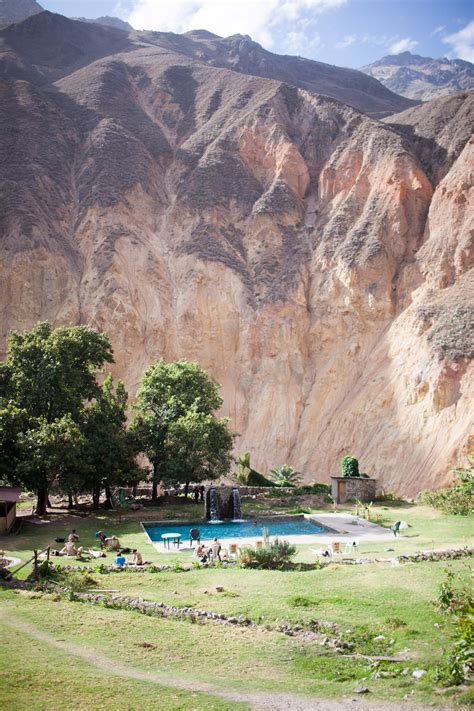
{"type": "Point", "coordinates": [366, 601]}
{"type": "Point", "coordinates": [35, 675]}
{"type": "Point", "coordinates": [246, 659]}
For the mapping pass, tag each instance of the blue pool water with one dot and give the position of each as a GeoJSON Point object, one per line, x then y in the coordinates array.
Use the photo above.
{"type": "Point", "coordinates": [238, 529]}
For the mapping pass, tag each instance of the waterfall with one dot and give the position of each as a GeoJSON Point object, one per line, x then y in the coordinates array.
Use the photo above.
{"type": "Point", "coordinates": [213, 505]}
{"type": "Point", "coordinates": [237, 509]}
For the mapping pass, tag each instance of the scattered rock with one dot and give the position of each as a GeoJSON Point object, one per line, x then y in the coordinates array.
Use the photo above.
{"type": "Point", "coordinates": [362, 690]}
{"type": "Point", "coordinates": [419, 673]}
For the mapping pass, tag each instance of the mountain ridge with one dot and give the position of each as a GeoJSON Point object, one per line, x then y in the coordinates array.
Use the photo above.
{"type": "Point", "coordinates": [422, 78]}
{"type": "Point", "coordinates": [238, 53]}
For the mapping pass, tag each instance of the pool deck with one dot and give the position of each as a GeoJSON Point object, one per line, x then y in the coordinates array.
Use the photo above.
{"type": "Point", "coordinates": [344, 528]}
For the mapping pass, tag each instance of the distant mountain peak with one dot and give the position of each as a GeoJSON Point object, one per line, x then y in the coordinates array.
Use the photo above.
{"type": "Point", "coordinates": [16, 10]}
{"type": "Point", "coordinates": [107, 21]}
{"type": "Point", "coordinates": [422, 78]}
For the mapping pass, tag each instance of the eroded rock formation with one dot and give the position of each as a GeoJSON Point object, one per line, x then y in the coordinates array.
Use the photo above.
{"type": "Point", "coordinates": [309, 256]}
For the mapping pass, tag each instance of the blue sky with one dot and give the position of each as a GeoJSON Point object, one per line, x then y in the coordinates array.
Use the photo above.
{"type": "Point", "coordinates": [344, 32]}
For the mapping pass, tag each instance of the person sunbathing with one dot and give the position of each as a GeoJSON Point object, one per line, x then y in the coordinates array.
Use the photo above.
{"type": "Point", "coordinates": [71, 549]}
{"type": "Point", "coordinates": [201, 554]}
{"type": "Point", "coordinates": [137, 558]}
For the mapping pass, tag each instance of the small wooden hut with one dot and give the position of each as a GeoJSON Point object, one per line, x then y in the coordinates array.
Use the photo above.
{"type": "Point", "coordinates": [9, 495]}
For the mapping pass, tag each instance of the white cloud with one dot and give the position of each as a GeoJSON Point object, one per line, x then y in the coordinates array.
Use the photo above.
{"type": "Point", "coordinates": [404, 45]}
{"type": "Point", "coordinates": [346, 41]}
{"type": "Point", "coordinates": [263, 20]}
{"type": "Point", "coordinates": [462, 42]}
{"type": "Point", "coordinates": [437, 31]}
{"type": "Point", "coordinates": [301, 43]}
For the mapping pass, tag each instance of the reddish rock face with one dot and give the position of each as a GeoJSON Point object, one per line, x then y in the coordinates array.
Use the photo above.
{"type": "Point", "coordinates": [299, 250]}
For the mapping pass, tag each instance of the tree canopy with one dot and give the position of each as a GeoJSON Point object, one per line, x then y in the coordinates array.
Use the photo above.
{"type": "Point", "coordinates": [108, 452]}
{"type": "Point", "coordinates": [175, 425]}
{"type": "Point", "coordinates": [198, 447]}
{"type": "Point", "coordinates": [45, 380]}
{"type": "Point", "coordinates": [59, 427]}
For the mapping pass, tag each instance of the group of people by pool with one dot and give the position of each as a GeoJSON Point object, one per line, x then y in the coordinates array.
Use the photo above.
{"type": "Point", "coordinates": [109, 543]}
{"type": "Point", "coordinates": [211, 553]}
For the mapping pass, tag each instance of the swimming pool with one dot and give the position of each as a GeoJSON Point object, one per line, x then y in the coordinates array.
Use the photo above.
{"type": "Point", "coordinates": [239, 529]}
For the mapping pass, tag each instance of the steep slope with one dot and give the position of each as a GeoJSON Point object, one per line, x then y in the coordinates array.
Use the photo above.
{"type": "Point", "coordinates": [46, 46]}
{"type": "Point", "coordinates": [15, 10]}
{"type": "Point", "coordinates": [241, 54]}
{"type": "Point", "coordinates": [438, 131]}
{"type": "Point", "coordinates": [289, 243]}
{"type": "Point", "coordinates": [422, 78]}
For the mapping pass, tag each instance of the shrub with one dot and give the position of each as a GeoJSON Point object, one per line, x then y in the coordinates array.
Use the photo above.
{"type": "Point", "coordinates": [456, 499]}
{"type": "Point", "coordinates": [387, 496]}
{"type": "Point", "coordinates": [285, 475]}
{"type": "Point", "coordinates": [349, 466]}
{"type": "Point", "coordinates": [321, 489]}
{"type": "Point", "coordinates": [458, 604]}
{"type": "Point", "coordinates": [315, 488]}
{"type": "Point", "coordinates": [254, 478]}
{"type": "Point", "coordinates": [273, 555]}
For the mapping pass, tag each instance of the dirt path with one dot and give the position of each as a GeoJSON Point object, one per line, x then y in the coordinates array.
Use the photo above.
{"type": "Point", "coordinates": [258, 701]}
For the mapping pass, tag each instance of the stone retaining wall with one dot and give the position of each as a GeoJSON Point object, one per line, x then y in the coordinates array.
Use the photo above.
{"type": "Point", "coordinates": [319, 629]}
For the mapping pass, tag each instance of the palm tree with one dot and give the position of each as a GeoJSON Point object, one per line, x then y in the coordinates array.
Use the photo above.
{"type": "Point", "coordinates": [285, 475]}
{"type": "Point", "coordinates": [243, 462]}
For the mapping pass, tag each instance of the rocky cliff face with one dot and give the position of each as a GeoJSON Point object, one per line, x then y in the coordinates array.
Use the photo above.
{"type": "Point", "coordinates": [422, 78]}
{"type": "Point", "coordinates": [301, 251]}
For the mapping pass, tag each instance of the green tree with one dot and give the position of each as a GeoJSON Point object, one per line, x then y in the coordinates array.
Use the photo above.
{"type": "Point", "coordinates": [168, 392]}
{"type": "Point", "coordinates": [349, 466]}
{"type": "Point", "coordinates": [285, 475]}
{"type": "Point", "coordinates": [50, 451]}
{"type": "Point", "coordinates": [198, 447]}
{"type": "Point", "coordinates": [108, 453]}
{"type": "Point", "coordinates": [46, 378]}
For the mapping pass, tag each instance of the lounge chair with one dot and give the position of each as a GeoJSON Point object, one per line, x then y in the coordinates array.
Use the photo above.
{"type": "Point", "coordinates": [194, 536]}
{"type": "Point", "coordinates": [335, 549]}
{"type": "Point", "coordinates": [214, 551]}
{"type": "Point", "coordinates": [351, 546]}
